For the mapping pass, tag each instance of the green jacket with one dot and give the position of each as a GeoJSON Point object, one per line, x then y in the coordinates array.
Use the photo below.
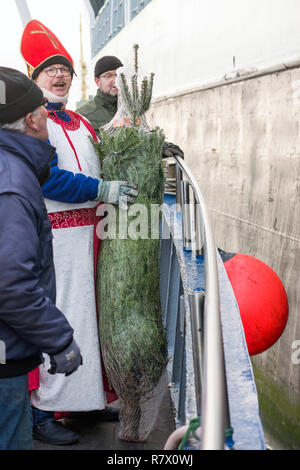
{"type": "Point", "coordinates": [99, 110]}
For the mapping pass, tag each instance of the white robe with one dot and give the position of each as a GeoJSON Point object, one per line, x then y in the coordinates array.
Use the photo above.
{"type": "Point", "coordinates": [74, 267]}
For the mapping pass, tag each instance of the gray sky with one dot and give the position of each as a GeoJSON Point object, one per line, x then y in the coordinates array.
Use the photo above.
{"type": "Point", "coordinates": [60, 16]}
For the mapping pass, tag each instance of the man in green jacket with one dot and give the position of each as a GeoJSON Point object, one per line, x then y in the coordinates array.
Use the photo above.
{"type": "Point", "coordinates": [102, 108]}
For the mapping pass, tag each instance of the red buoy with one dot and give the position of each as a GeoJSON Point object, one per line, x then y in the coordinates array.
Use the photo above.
{"type": "Point", "coordinates": [261, 298]}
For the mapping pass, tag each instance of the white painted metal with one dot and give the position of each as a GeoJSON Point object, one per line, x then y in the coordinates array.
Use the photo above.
{"type": "Point", "coordinates": [90, 11]}
{"type": "Point", "coordinates": [24, 11]}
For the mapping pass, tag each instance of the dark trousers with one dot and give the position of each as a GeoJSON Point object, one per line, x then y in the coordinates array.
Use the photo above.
{"type": "Point", "coordinates": [41, 417]}
{"type": "Point", "coordinates": [15, 414]}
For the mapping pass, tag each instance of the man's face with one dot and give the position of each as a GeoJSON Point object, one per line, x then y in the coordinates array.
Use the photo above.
{"type": "Point", "coordinates": [56, 78]}
{"type": "Point", "coordinates": [43, 129]}
{"type": "Point", "coordinates": [36, 123]}
{"type": "Point", "coordinates": [106, 83]}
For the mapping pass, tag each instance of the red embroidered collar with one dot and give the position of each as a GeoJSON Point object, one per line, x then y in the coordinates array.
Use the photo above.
{"type": "Point", "coordinates": [74, 123]}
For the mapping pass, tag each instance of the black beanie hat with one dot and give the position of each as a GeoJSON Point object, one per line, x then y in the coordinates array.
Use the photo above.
{"type": "Point", "coordinates": [18, 95]}
{"type": "Point", "coordinates": [108, 62]}
{"type": "Point", "coordinates": [57, 59]}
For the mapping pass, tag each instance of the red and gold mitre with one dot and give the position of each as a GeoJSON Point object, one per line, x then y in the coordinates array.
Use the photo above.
{"type": "Point", "coordinates": [41, 48]}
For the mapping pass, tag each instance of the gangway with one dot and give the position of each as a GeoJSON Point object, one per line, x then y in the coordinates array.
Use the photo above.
{"type": "Point", "coordinates": [209, 371]}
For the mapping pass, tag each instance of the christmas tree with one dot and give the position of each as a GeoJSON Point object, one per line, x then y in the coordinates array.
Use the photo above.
{"type": "Point", "coordinates": [132, 335]}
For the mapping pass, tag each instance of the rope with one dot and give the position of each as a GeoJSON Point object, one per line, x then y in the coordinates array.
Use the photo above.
{"type": "Point", "coordinates": [68, 138]}
{"type": "Point", "coordinates": [89, 128]}
{"type": "Point", "coordinates": [229, 440]}
{"type": "Point", "coordinates": [194, 424]}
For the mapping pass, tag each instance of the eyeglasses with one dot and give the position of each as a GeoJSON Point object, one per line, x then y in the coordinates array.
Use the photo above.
{"type": "Point", "coordinates": [52, 71]}
{"type": "Point", "coordinates": [108, 75]}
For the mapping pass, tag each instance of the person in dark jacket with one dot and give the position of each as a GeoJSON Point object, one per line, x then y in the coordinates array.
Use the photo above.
{"type": "Point", "coordinates": [30, 323]}
{"type": "Point", "coordinates": [102, 108]}
{"type": "Point", "coordinates": [72, 194]}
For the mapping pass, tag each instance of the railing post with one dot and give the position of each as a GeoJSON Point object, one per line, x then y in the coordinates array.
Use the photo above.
{"type": "Point", "coordinates": [186, 216]}
{"type": "Point", "coordinates": [178, 188]}
{"type": "Point", "coordinates": [196, 298]}
{"type": "Point", "coordinates": [198, 237]}
{"type": "Point", "coordinates": [214, 393]}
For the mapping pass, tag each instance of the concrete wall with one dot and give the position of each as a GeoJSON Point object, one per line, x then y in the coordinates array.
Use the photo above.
{"type": "Point", "coordinates": [242, 142]}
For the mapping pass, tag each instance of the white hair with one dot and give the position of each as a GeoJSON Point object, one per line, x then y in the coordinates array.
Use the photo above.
{"type": "Point", "coordinates": [20, 124]}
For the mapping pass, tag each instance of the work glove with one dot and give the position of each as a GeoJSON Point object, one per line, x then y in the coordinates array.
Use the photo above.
{"type": "Point", "coordinates": [117, 192]}
{"type": "Point", "coordinates": [67, 361]}
{"type": "Point", "coordinates": [169, 150]}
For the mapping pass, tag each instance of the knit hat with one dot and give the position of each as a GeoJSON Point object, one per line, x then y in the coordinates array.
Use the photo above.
{"type": "Point", "coordinates": [108, 62]}
{"type": "Point", "coordinates": [41, 48]}
{"type": "Point", "coordinates": [18, 95]}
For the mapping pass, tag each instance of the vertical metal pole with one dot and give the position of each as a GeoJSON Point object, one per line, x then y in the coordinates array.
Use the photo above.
{"type": "Point", "coordinates": [126, 11]}
{"type": "Point", "coordinates": [182, 378]}
{"type": "Point", "coordinates": [186, 215]}
{"type": "Point", "coordinates": [23, 11]}
{"type": "Point", "coordinates": [198, 230]}
{"type": "Point", "coordinates": [214, 394]}
{"type": "Point", "coordinates": [178, 188]}
{"type": "Point", "coordinates": [196, 305]}
{"type": "Point", "coordinates": [111, 18]}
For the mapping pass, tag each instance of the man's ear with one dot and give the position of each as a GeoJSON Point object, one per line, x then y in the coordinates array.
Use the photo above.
{"type": "Point", "coordinates": [97, 81]}
{"type": "Point", "coordinates": [31, 122]}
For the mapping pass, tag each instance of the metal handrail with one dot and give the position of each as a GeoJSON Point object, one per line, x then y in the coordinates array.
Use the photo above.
{"type": "Point", "coordinates": [214, 401]}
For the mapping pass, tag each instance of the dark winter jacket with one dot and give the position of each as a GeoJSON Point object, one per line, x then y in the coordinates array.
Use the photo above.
{"type": "Point", "coordinates": [30, 323]}
{"type": "Point", "coordinates": [100, 110]}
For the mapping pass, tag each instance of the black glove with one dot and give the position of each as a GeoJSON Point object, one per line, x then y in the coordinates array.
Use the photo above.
{"type": "Point", "coordinates": [169, 150]}
{"type": "Point", "coordinates": [67, 361]}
